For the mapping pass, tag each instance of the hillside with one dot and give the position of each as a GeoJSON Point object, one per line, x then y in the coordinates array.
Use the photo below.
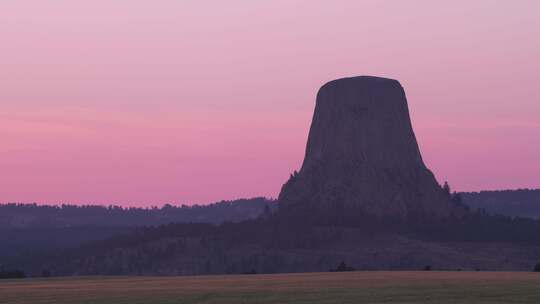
{"type": "Point", "coordinates": [277, 244]}
{"type": "Point", "coordinates": [27, 228]}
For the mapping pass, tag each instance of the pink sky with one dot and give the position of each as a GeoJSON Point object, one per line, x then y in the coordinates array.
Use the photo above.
{"type": "Point", "coordinates": [146, 102]}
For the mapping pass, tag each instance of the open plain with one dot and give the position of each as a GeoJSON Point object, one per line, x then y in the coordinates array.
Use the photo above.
{"type": "Point", "coordinates": [344, 287]}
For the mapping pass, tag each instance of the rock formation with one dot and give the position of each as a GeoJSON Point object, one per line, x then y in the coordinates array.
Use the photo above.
{"type": "Point", "coordinates": [362, 156]}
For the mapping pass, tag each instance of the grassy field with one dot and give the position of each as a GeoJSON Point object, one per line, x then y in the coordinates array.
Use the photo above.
{"type": "Point", "coordinates": [348, 287]}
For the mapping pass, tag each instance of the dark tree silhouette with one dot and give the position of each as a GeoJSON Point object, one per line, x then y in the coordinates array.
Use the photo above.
{"type": "Point", "coordinates": [446, 188]}
{"type": "Point", "coordinates": [343, 267]}
{"type": "Point", "coordinates": [13, 274]}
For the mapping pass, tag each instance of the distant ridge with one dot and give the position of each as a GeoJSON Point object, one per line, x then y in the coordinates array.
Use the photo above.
{"type": "Point", "coordinates": [515, 203]}
{"type": "Point", "coordinates": [16, 215]}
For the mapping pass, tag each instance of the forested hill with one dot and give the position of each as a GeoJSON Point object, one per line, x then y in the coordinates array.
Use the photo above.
{"type": "Point", "coordinates": [30, 228]}
{"type": "Point", "coordinates": [521, 202]}
{"type": "Point", "coordinates": [33, 215]}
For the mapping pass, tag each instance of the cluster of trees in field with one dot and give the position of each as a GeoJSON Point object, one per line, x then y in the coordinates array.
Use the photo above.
{"type": "Point", "coordinates": [13, 274]}
{"type": "Point", "coordinates": [20, 274]}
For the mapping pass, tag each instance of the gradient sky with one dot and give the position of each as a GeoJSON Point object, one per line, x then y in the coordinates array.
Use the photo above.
{"type": "Point", "coordinates": [147, 102]}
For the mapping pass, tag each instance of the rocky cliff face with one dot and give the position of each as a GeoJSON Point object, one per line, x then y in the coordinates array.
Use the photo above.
{"type": "Point", "coordinates": [362, 155]}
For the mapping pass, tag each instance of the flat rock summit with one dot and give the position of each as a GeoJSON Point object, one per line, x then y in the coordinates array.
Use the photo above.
{"type": "Point", "coordinates": [362, 156]}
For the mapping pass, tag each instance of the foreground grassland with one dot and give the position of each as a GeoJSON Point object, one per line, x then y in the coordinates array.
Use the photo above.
{"type": "Point", "coordinates": [350, 287]}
